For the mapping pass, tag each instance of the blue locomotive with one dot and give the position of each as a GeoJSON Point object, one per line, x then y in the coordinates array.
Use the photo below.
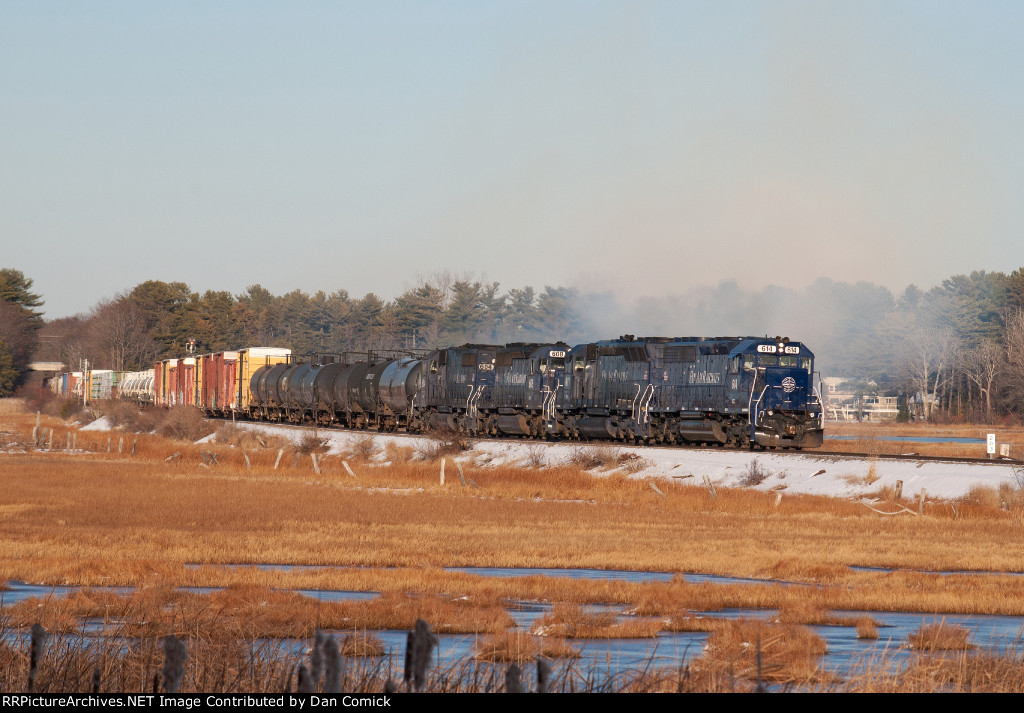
{"type": "Point", "coordinates": [739, 391]}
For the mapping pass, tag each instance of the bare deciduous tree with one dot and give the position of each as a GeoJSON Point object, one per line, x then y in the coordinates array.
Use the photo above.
{"type": "Point", "coordinates": [1014, 378]}
{"type": "Point", "coordinates": [118, 331]}
{"type": "Point", "coordinates": [924, 356]}
{"type": "Point", "coordinates": [982, 365]}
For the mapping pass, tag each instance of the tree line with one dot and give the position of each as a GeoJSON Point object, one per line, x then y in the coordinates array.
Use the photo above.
{"type": "Point", "coordinates": [957, 349]}
{"type": "Point", "coordinates": [157, 320]}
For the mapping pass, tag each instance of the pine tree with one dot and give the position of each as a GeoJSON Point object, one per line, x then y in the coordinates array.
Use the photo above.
{"type": "Point", "coordinates": [8, 372]}
{"type": "Point", "coordinates": [14, 288]}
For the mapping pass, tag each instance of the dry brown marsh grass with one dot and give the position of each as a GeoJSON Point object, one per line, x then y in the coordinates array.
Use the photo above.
{"type": "Point", "coordinates": [395, 453]}
{"type": "Point", "coordinates": [687, 621]}
{"type": "Point", "coordinates": [128, 417]}
{"type": "Point", "coordinates": [248, 611]}
{"type": "Point", "coordinates": [868, 438]}
{"type": "Point", "coordinates": [184, 423]}
{"type": "Point", "coordinates": [361, 644]}
{"type": "Point", "coordinates": [808, 612]}
{"type": "Point", "coordinates": [249, 439]}
{"type": "Point", "coordinates": [958, 672]}
{"type": "Point", "coordinates": [441, 443]}
{"type": "Point", "coordinates": [788, 653]}
{"type": "Point", "coordinates": [214, 665]}
{"type": "Point", "coordinates": [591, 457]}
{"type": "Point", "coordinates": [941, 637]}
{"type": "Point", "coordinates": [103, 519]}
{"type": "Point", "coordinates": [520, 647]}
{"type": "Point", "coordinates": [867, 628]}
{"type": "Point", "coordinates": [360, 448]}
{"type": "Point", "coordinates": [572, 622]}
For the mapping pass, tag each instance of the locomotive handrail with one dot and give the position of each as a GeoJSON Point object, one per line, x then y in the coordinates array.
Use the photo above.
{"type": "Point", "coordinates": [548, 404]}
{"type": "Point", "coordinates": [645, 402]}
{"type": "Point", "coordinates": [821, 409]}
{"type": "Point", "coordinates": [633, 411]}
{"type": "Point", "coordinates": [756, 404]}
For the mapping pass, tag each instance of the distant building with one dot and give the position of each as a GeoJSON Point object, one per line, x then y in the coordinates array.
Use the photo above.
{"type": "Point", "coordinates": [848, 399]}
{"type": "Point", "coordinates": [41, 372]}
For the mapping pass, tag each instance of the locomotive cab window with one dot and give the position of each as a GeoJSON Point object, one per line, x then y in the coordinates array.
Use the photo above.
{"type": "Point", "coordinates": [790, 361]}
{"type": "Point", "coordinates": [734, 365]}
{"type": "Point", "coordinates": [544, 366]}
{"type": "Point", "coordinates": [805, 363]}
{"type": "Point", "coordinates": [433, 367]}
{"type": "Point", "coordinates": [767, 360]}
{"type": "Point", "coordinates": [748, 362]}
{"type": "Point", "coordinates": [578, 366]}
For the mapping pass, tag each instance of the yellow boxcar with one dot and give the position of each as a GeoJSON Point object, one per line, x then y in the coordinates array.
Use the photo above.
{"type": "Point", "coordinates": [249, 362]}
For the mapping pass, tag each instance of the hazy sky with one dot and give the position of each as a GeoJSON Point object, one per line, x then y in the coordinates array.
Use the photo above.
{"type": "Point", "coordinates": [644, 147]}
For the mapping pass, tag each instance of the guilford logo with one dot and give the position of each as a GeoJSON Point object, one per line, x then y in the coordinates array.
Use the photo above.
{"type": "Point", "coordinates": [705, 377]}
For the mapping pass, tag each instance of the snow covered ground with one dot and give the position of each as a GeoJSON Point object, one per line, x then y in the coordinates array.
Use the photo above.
{"type": "Point", "coordinates": [787, 471]}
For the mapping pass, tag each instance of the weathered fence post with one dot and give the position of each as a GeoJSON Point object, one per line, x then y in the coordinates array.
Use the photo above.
{"type": "Point", "coordinates": [710, 486]}
{"type": "Point", "coordinates": [513, 679]}
{"type": "Point", "coordinates": [35, 653]}
{"type": "Point", "coordinates": [280, 453]}
{"type": "Point", "coordinates": [175, 656]}
{"type": "Point", "coordinates": [442, 471]}
{"type": "Point", "coordinates": [419, 645]}
{"type": "Point", "coordinates": [920, 503]}
{"type": "Point", "coordinates": [335, 666]}
{"type": "Point", "coordinates": [543, 675]}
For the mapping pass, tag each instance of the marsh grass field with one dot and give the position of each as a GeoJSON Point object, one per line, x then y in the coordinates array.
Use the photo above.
{"type": "Point", "coordinates": [155, 521]}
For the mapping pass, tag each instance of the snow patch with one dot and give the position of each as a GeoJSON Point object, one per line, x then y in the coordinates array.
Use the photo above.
{"type": "Point", "coordinates": [799, 472]}
{"type": "Point", "coordinates": [100, 424]}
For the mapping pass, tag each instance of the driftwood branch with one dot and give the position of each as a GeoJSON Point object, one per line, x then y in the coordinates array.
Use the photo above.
{"type": "Point", "coordinates": [903, 510]}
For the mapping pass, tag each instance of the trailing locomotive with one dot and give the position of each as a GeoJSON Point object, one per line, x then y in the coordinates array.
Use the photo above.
{"type": "Point", "coordinates": [740, 391]}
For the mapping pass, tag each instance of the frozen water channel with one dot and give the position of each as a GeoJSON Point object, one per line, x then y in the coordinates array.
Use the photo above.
{"type": "Point", "coordinates": [845, 650]}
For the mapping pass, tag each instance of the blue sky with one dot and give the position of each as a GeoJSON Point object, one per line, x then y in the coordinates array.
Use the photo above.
{"type": "Point", "coordinates": [638, 147]}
